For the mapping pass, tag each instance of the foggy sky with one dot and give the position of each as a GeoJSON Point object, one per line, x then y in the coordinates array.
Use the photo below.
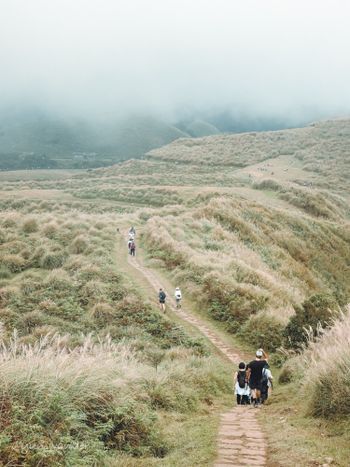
{"type": "Point", "coordinates": [105, 57]}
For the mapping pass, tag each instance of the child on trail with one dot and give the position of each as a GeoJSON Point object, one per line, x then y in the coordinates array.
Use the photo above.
{"type": "Point", "coordinates": [178, 297]}
{"type": "Point", "coordinates": [132, 248]}
{"type": "Point", "coordinates": [242, 390]}
{"type": "Point", "coordinates": [162, 298]}
{"type": "Point", "coordinates": [254, 370]}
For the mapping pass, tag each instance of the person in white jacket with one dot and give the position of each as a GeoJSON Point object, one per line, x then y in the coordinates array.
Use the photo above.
{"type": "Point", "coordinates": [178, 297]}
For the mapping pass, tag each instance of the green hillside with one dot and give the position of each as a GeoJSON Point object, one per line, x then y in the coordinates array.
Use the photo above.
{"type": "Point", "coordinates": [253, 227]}
{"type": "Point", "coordinates": [36, 140]}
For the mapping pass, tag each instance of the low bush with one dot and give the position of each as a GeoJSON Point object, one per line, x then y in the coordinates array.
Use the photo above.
{"type": "Point", "coordinates": [263, 331]}
{"type": "Point", "coordinates": [79, 245]}
{"type": "Point", "coordinates": [102, 313]}
{"type": "Point", "coordinates": [267, 184]}
{"type": "Point", "coordinates": [5, 272]}
{"type": "Point", "coordinates": [30, 225]}
{"type": "Point", "coordinates": [315, 312]}
{"type": "Point", "coordinates": [52, 260]}
{"type": "Point", "coordinates": [15, 263]}
{"type": "Point", "coordinates": [50, 230]}
{"type": "Point", "coordinates": [29, 321]}
{"type": "Point", "coordinates": [3, 236]}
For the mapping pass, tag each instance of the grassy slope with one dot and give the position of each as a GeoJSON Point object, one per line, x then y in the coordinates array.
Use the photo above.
{"type": "Point", "coordinates": [59, 275]}
{"type": "Point", "coordinates": [269, 199]}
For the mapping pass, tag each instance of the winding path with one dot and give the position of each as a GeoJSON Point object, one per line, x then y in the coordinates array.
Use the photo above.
{"type": "Point", "coordinates": [241, 442]}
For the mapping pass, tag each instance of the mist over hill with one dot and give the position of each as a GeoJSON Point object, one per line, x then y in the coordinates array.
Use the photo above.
{"type": "Point", "coordinates": [34, 139]}
{"type": "Point", "coordinates": [31, 138]}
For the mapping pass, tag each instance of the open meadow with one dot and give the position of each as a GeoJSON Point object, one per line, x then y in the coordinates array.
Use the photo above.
{"type": "Point", "coordinates": [255, 230]}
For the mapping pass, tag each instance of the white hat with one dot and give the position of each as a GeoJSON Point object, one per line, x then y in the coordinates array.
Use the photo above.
{"type": "Point", "coordinates": [259, 353]}
{"type": "Point", "coordinates": [177, 288]}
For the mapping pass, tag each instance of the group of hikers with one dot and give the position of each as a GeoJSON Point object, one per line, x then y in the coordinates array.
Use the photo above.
{"type": "Point", "coordinates": [253, 382]}
{"type": "Point", "coordinates": [162, 298]}
{"type": "Point", "coordinates": [131, 241]}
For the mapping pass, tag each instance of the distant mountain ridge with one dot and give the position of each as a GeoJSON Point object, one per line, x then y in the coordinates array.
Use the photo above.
{"type": "Point", "coordinates": [38, 141]}
{"type": "Point", "coordinates": [33, 139]}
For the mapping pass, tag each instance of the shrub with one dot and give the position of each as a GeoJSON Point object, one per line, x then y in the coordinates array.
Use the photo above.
{"type": "Point", "coordinates": [30, 285]}
{"type": "Point", "coordinates": [3, 236]}
{"type": "Point", "coordinates": [15, 263]}
{"type": "Point", "coordinates": [102, 313]}
{"type": "Point", "coordinates": [52, 260]}
{"type": "Point", "coordinates": [267, 185]}
{"type": "Point", "coordinates": [79, 245]}
{"type": "Point", "coordinates": [30, 320]}
{"type": "Point", "coordinates": [286, 375]}
{"type": "Point", "coordinates": [263, 331]}
{"type": "Point", "coordinates": [93, 291]}
{"type": "Point", "coordinates": [7, 294]}
{"type": "Point", "coordinates": [10, 221]}
{"type": "Point", "coordinates": [316, 311]}
{"type": "Point", "coordinates": [5, 272]}
{"type": "Point", "coordinates": [50, 230]}
{"type": "Point", "coordinates": [331, 390]}
{"type": "Point", "coordinates": [59, 280]}
{"type": "Point", "coordinates": [30, 226]}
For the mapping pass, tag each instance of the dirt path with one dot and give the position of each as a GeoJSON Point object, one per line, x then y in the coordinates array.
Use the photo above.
{"type": "Point", "coordinates": [240, 440]}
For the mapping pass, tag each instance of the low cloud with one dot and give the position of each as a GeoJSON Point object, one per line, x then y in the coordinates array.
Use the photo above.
{"type": "Point", "coordinates": [111, 57]}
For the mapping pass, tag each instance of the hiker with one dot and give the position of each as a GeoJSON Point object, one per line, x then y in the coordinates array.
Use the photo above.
{"type": "Point", "coordinates": [162, 298]}
{"type": "Point", "coordinates": [255, 370]}
{"type": "Point", "coordinates": [132, 248]}
{"type": "Point", "coordinates": [266, 382]}
{"type": "Point", "coordinates": [178, 297]}
{"type": "Point", "coordinates": [129, 245]}
{"type": "Point", "coordinates": [132, 231]}
{"type": "Point", "coordinates": [242, 390]}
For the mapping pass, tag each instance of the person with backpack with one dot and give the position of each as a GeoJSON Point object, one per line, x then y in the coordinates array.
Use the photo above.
{"type": "Point", "coordinates": [132, 248]}
{"type": "Point", "coordinates": [178, 297]}
{"type": "Point", "coordinates": [254, 375]}
{"type": "Point", "coordinates": [162, 298]}
{"type": "Point", "coordinates": [242, 390]}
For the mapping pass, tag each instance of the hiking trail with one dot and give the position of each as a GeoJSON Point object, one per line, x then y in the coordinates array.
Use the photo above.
{"type": "Point", "coordinates": [241, 442]}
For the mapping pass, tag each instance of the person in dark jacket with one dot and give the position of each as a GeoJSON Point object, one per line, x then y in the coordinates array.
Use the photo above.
{"type": "Point", "coordinates": [254, 375]}
{"type": "Point", "coordinates": [162, 298]}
